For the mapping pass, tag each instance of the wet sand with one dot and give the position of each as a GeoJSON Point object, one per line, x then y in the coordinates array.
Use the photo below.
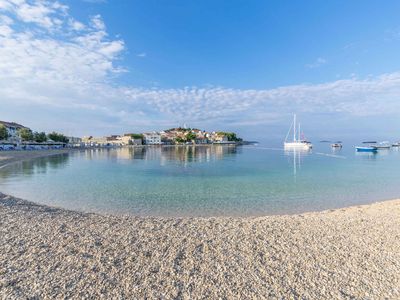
{"type": "Point", "coordinates": [350, 253]}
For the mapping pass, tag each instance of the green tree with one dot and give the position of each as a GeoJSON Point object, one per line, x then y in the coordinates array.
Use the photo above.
{"type": "Point", "coordinates": [231, 136]}
{"type": "Point", "coordinates": [3, 132]}
{"type": "Point", "coordinates": [25, 134]}
{"type": "Point", "coordinates": [179, 140]}
{"type": "Point", "coordinates": [190, 136]}
{"type": "Point", "coordinates": [137, 136]}
{"type": "Point", "coordinates": [39, 137]}
{"type": "Point", "coordinates": [57, 137]}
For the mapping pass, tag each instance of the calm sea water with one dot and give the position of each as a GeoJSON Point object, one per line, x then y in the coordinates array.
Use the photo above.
{"type": "Point", "coordinates": [206, 181]}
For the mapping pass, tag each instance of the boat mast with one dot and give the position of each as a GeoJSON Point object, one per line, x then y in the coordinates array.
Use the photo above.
{"type": "Point", "coordinates": [299, 133]}
{"type": "Point", "coordinates": [294, 128]}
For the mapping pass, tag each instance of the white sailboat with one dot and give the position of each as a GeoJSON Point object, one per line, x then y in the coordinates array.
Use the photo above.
{"type": "Point", "coordinates": [297, 142]}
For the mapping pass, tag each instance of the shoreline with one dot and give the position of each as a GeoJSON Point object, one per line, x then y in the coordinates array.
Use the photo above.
{"type": "Point", "coordinates": [14, 156]}
{"type": "Point", "coordinates": [49, 252]}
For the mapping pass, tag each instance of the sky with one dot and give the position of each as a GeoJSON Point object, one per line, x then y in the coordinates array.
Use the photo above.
{"type": "Point", "coordinates": [99, 67]}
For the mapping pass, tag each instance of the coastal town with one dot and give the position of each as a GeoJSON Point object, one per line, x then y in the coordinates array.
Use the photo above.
{"type": "Point", "coordinates": [14, 136]}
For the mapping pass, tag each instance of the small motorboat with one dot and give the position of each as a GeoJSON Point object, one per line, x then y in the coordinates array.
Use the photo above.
{"type": "Point", "coordinates": [366, 149]}
{"type": "Point", "coordinates": [383, 145]}
{"type": "Point", "coordinates": [337, 145]}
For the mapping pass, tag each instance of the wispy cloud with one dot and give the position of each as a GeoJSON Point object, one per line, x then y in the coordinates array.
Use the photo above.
{"type": "Point", "coordinates": [143, 54]}
{"type": "Point", "coordinates": [95, 1]}
{"type": "Point", "coordinates": [392, 34]}
{"type": "Point", "coordinates": [63, 71]}
{"type": "Point", "coordinates": [317, 63]}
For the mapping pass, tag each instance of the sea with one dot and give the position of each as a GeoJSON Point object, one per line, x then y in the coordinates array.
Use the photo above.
{"type": "Point", "coordinates": [206, 181]}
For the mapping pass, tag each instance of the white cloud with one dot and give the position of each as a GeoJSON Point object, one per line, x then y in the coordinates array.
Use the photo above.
{"type": "Point", "coordinates": [63, 72]}
{"type": "Point", "coordinates": [143, 54]}
{"type": "Point", "coordinates": [5, 26]}
{"type": "Point", "coordinates": [98, 23]}
{"type": "Point", "coordinates": [317, 63]}
{"type": "Point", "coordinates": [95, 1]}
{"type": "Point", "coordinates": [75, 25]}
{"type": "Point", "coordinates": [42, 13]}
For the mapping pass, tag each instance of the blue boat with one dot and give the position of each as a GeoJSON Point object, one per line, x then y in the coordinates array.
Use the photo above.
{"type": "Point", "coordinates": [367, 149]}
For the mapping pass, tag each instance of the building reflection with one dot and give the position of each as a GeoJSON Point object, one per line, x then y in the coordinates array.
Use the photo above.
{"type": "Point", "coordinates": [36, 166]}
{"type": "Point", "coordinates": [164, 154]}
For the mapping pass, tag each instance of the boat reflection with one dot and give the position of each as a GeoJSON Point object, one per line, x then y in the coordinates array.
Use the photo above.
{"type": "Point", "coordinates": [336, 150]}
{"type": "Point", "coordinates": [297, 157]}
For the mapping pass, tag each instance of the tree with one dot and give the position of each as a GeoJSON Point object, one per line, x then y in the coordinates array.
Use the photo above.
{"type": "Point", "coordinates": [231, 136]}
{"type": "Point", "coordinates": [3, 132]}
{"type": "Point", "coordinates": [190, 136]}
{"type": "Point", "coordinates": [57, 137]}
{"type": "Point", "coordinates": [25, 134]}
{"type": "Point", "coordinates": [39, 137]}
{"type": "Point", "coordinates": [179, 140]}
{"type": "Point", "coordinates": [137, 136]}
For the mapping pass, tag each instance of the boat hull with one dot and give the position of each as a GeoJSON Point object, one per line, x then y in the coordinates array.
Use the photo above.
{"type": "Point", "coordinates": [366, 149]}
{"type": "Point", "coordinates": [297, 145]}
{"type": "Point", "coordinates": [336, 146]}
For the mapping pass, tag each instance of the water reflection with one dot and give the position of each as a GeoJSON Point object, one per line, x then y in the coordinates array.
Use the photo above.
{"type": "Point", "coordinates": [336, 150]}
{"type": "Point", "coordinates": [36, 166]}
{"type": "Point", "coordinates": [181, 154]}
{"type": "Point", "coordinates": [296, 156]}
{"type": "Point", "coordinates": [204, 180]}
{"type": "Point", "coordinates": [367, 155]}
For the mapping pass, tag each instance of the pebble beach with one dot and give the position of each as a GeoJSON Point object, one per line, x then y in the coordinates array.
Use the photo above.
{"type": "Point", "coordinates": [53, 253]}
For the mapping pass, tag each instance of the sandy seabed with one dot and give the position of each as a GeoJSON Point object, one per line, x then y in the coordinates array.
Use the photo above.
{"type": "Point", "coordinates": [52, 253]}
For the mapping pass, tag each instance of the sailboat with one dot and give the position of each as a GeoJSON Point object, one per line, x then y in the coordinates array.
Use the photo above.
{"type": "Point", "coordinates": [297, 142]}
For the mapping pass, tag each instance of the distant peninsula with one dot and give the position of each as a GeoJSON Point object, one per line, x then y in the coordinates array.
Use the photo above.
{"type": "Point", "coordinates": [172, 136]}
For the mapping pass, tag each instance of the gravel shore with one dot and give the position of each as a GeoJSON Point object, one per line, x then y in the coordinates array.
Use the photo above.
{"type": "Point", "coordinates": [52, 253]}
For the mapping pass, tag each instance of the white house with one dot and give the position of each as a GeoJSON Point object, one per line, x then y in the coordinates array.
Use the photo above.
{"type": "Point", "coordinates": [74, 140]}
{"type": "Point", "coordinates": [12, 128]}
{"type": "Point", "coordinates": [152, 138]}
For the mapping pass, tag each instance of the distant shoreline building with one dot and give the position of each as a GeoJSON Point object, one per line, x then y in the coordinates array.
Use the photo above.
{"type": "Point", "coordinates": [132, 139]}
{"type": "Point", "coordinates": [74, 140]}
{"type": "Point", "coordinates": [152, 138]}
{"type": "Point", "coordinates": [12, 128]}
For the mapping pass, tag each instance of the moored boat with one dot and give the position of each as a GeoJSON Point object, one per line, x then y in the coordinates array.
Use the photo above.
{"type": "Point", "coordinates": [297, 142]}
{"type": "Point", "coordinates": [337, 145]}
{"type": "Point", "coordinates": [383, 145]}
{"type": "Point", "coordinates": [366, 149]}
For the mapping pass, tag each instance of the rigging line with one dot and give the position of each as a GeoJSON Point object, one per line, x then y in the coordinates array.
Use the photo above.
{"type": "Point", "coordinates": [291, 125]}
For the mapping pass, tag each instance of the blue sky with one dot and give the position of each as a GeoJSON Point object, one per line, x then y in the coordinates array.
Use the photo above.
{"type": "Point", "coordinates": [102, 67]}
{"type": "Point", "coordinates": [251, 44]}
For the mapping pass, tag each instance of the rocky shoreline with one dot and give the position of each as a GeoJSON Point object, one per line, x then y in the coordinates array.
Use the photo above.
{"type": "Point", "coordinates": [52, 253]}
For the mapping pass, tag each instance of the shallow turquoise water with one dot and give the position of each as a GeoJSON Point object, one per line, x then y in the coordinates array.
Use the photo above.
{"type": "Point", "coordinates": [206, 181]}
